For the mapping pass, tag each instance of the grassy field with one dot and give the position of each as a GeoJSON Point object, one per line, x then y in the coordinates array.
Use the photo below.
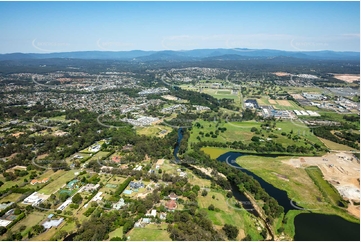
{"type": "Point", "coordinates": [150, 232]}
{"type": "Point", "coordinates": [335, 146]}
{"type": "Point", "coordinates": [153, 130]}
{"type": "Point", "coordinates": [292, 106]}
{"type": "Point", "coordinates": [227, 214]}
{"type": "Point", "coordinates": [29, 221]}
{"type": "Point", "coordinates": [18, 181]}
{"type": "Point", "coordinates": [328, 191]}
{"type": "Point", "coordinates": [195, 180]}
{"type": "Point", "coordinates": [215, 152]}
{"type": "Point", "coordinates": [58, 118]}
{"type": "Point", "coordinates": [241, 131]}
{"type": "Point", "coordinates": [220, 94]}
{"type": "Point", "coordinates": [99, 155]}
{"type": "Point", "coordinates": [116, 233]}
{"type": "Point", "coordinates": [11, 197]}
{"type": "Point", "coordinates": [299, 187]}
{"type": "Point", "coordinates": [303, 89]}
{"type": "Point", "coordinates": [46, 236]}
{"type": "Point", "coordinates": [58, 183]}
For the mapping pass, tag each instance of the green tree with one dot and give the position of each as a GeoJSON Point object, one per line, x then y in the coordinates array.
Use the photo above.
{"type": "Point", "coordinates": [204, 192]}
{"type": "Point", "coordinates": [77, 198]}
{"type": "Point", "coordinates": [63, 196]}
{"type": "Point", "coordinates": [230, 231]}
{"type": "Point", "coordinates": [38, 228]}
{"type": "Point", "coordinates": [2, 230]}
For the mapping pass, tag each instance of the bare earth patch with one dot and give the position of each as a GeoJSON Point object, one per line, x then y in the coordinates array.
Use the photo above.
{"type": "Point", "coordinates": [354, 210]}
{"type": "Point", "coordinates": [170, 97]}
{"type": "Point", "coordinates": [347, 77]}
{"type": "Point", "coordinates": [284, 103]}
{"type": "Point", "coordinates": [208, 171]}
{"type": "Point", "coordinates": [271, 101]}
{"type": "Point", "coordinates": [17, 134]}
{"type": "Point", "coordinates": [341, 169]}
{"type": "Point", "coordinates": [281, 73]}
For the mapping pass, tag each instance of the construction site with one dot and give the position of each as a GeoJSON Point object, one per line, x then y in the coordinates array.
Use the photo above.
{"type": "Point", "coordinates": [340, 169]}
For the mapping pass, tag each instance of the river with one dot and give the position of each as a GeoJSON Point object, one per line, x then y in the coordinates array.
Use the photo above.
{"type": "Point", "coordinates": [308, 226]}
{"type": "Point", "coordinates": [280, 195]}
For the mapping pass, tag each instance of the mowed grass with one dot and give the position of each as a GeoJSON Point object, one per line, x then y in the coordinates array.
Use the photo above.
{"type": "Point", "coordinates": [148, 233]}
{"type": "Point", "coordinates": [219, 94]}
{"type": "Point", "coordinates": [335, 146]}
{"type": "Point", "coordinates": [99, 155]}
{"type": "Point", "coordinates": [58, 183]}
{"type": "Point", "coordinates": [292, 106]}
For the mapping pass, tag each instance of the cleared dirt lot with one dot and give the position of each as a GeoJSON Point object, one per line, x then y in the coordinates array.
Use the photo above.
{"type": "Point", "coordinates": [341, 169]}
{"type": "Point", "coordinates": [347, 77]}
{"type": "Point", "coordinates": [281, 73]}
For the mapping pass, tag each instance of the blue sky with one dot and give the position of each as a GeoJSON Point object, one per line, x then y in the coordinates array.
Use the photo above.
{"type": "Point", "coordinates": [41, 27]}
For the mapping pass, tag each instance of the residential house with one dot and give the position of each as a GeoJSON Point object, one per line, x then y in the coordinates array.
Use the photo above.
{"type": "Point", "coordinates": [153, 213]}
{"type": "Point", "coordinates": [119, 204]}
{"type": "Point", "coordinates": [172, 196]}
{"type": "Point", "coordinates": [53, 223]}
{"type": "Point", "coordinates": [171, 205]}
{"type": "Point", "coordinates": [136, 185]}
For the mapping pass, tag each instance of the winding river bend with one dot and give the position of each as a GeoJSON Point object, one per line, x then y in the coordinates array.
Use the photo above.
{"type": "Point", "coordinates": [308, 226]}
{"type": "Point", "coordinates": [280, 195]}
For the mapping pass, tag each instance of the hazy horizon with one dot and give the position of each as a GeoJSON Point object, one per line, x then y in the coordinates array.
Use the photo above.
{"type": "Point", "coordinates": [49, 27]}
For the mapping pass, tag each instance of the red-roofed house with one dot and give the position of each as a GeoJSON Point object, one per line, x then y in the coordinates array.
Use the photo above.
{"type": "Point", "coordinates": [171, 205]}
{"type": "Point", "coordinates": [116, 159]}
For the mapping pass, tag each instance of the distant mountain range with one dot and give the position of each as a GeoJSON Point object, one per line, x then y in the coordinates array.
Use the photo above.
{"type": "Point", "coordinates": [188, 55]}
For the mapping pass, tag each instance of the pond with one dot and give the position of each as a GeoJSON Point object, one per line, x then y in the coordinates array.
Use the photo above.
{"type": "Point", "coordinates": [319, 227]}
